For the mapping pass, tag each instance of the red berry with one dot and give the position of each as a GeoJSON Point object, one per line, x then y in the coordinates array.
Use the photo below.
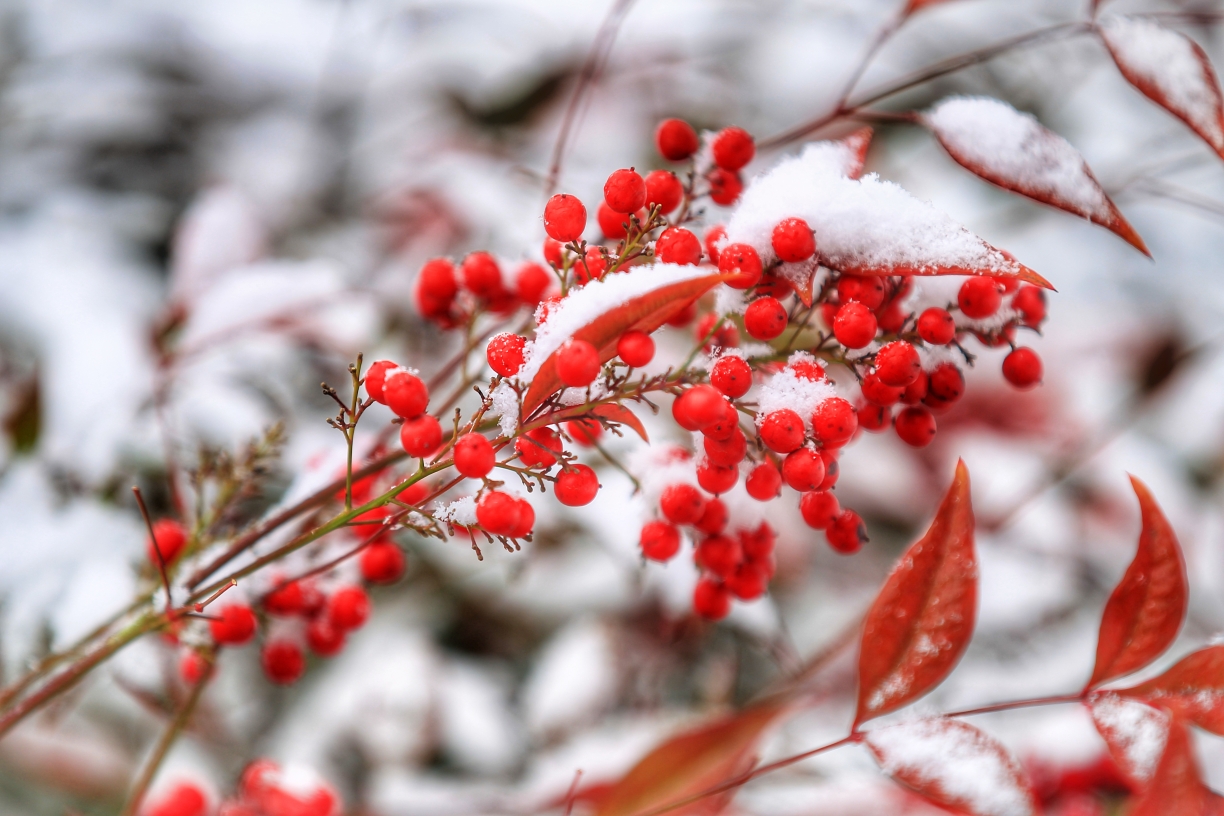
{"type": "Point", "coordinates": [436, 287]}
{"type": "Point", "coordinates": [374, 379]}
{"type": "Point", "coordinates": [946, 382]}
{"type": "Point", "coordinates": [678, 246]}
{"type": "Point", "coordinates": [782, 430]}
{"type": "Point", "coordinates": [577, 363]}
{"type": "Point", "coordinates": [170, 538]}
{"type": "Point", "coordinates": [183, 799]}
{"type": "Point", "coordinates": [576, 486]}
{"type": "Point", "coordinates": [724, 336]}
{"type": "Point", "coordinates": [382, 563]}
{"type": "Point", "coordinates": [713, 236]}
{"type": "Point", "coordinates": [874, 418]}
{"type": "Point", "coordinates": [348, 608]}
{"type": "Point", "coordinates": [758, 544]}
{"type": "Point", "coordinates": [676, 139]}
{"type": "Point", "coordinates": [421, 437]}
{"type": "Point", "coordinates": [803, 469]}
{"type": "Point", "coordinates": [847, 534]}
{"type": "Point", "coordinates": [474, 456]}
{"type": "Point", "coordinates": [733, 148]}
{"type": "Point", "coordinates": [727, 452]}
{"type": "Point", "coordinates": [809, 370]}
{"type": "Point", "coordinates": [832, 469]}
{"type": "Point", "coordinates": [531, 282]}
{"type": "Point", "coordinates": [234, 624]}
{"type": "Point", "coordinates": [498, 513]}
{"type": "Point", "coordinates": [585, 432]}
{"type": "Point", "coordinates": [614, 225]}
{"type": "Point", "coordinates": [405, 394]}
{"type": "Point", "coordinates": [715, 478]}
{"type": "Point", "coordinates": [866, 289]}
{"type": "Point", "coordinates": [552, 252]}
{"type": "Point", "coordinates": [537, 447]}
{"type": "Point", "coordinates": [713, 518]}
{"type": "Point", "coordinates": [564, 218]}
{"type": "Point", "coordinates": [892, 318]}
{"type": "Point", "coordinates": [1022, 368]}
{"type": "Point", "coordinates": [917, 390]}
{"type": "Point", "coordinates": [727, 425]}
{"type": "Point", "coordinates": [659, 541]}
{"type": "Point", "coordinates": [763, 481]}
{"type": "Point", "coordinates": [731, 375]}
{"type": "Point", "coordinates": [625, 191]}
{"type": "Point", "coordinates": [765, 318]}
{"type": "Point", "coordinates": [936, 326]}
{"type": "Point", "coordinates": [526, 519]}
{"type": "Point", "coordinates": [635, 348]}
{"type": "Point", "coordinates": [833, 422]}
{"type": "Point", "coordinates": [877, 393]}
{"type": "Point", "coordinates": [593, 265]}
{"type": "Point", "coordinates": [414, 493]}
{"type": "Point", "coordinates": [719, 554]}
{"type": "Point", "coordinates": [682, 504]}
{"type": "Point", "coordinates": [323, 637]}
{"type": "Point", "coordinates": [285, 599]}
{"type": "Point", "coordinates": [482, 275]}
{"type": "Point", "coordinates": [711, 600]}
{"type": "Point", "coordinates": [505, 353]}
{"type": "Point", "coordinates": [855, 325]}
{"type": "Point", "coordinates": [979, 297]}
{"type": "Point", "coordinates": [916, 426]}
{"type": "Point", "coordinates": [698, 407]}
{"type": "Point", "coordinates": [725, 186]}
{"type": "Point", "coordinates": [897, 364]}
{"type": "Point", "coordinates": [283, 662]}
{"type": "Point", "coordinates": [1030, 302]}
{"type": "Point", "coordinates": [748, 582]}
{"type": "Point", "coordinates": [793, 240]}
{"type": "Point", "coordinates": [819, 509]}
{"type": "Point", "coordinates": [663, 189]}
{"type": "Point", "coordinates": [742, 263]}
{"type": "Point", "coordinates": [192, 666]}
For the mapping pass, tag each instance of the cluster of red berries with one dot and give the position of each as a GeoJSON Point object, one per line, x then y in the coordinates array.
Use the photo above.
{"type": "Point", "coordinates": [263, 790]}
{"type": "Point", "coordinates": [448, 295]}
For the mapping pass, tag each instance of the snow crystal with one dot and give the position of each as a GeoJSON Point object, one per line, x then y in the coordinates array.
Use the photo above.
{"type": "Point", "coordinates": [461, 511]}
{"type": "Point", "coordinates": [1137, 729]}
{"type": "Point", "coordinates": [585, 394]}
{"type": "Point", "coordinates": [729, 301]}
{"type": "Point", "coordinates": [962, 761]}
{"type": "Point", "coordinates": [505, 404]}
{"type": "Point", "coordinates": [788, 390]}
{"type": "Point", "coordinates": [934, 356]}
{"type": "Point", "coordinates": [1012, 148]}
{"type": "Point", "coordinates": [1167, 62]}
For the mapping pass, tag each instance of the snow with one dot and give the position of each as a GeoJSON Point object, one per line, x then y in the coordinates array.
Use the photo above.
{"type": "Point", "coordinates": [788, 390]}
{"type": "Point", "coordinates": [461, 511]}
{"type": "Point", "coordinates": [505, 406]}
{"type": "Point", "coordinates": [1168, 63]}
{"type": "Point", "coordinates": [1012, 148]}
{"type": "Point", "coordinates": [1137, 730]}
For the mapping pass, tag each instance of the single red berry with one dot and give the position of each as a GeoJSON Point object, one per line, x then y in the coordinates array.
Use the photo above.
{"type": "Point", "coordinates": [421, 437]}
{"type": "Point", "coordinates": [855, 325]}
{"type": "Point", "coordinates": [719, 554]}
{"type": "Point", "coordinates": [832, 469]}
{"type": "Point", "coordinates": [537, 448]}
{"type": "Point", "coordinates": [877, 393]}
{"type": "Point", "coordinates": [726, 426]}
{"type": "Point", "coordinates": [585, 432]}
{"type": "Point", "coordinates": [725, 186]}
{"type": "Point", "coordinates": [526, 519]}
{"type": "Point", "coordinates": [774, 285]}
{"type": "Point", "coordinates": [678, 246]}
{"type": "Point", "coordinates": [577, 363]}
{"type": "Point", "coordinates": [564, 218]}
{"type": "Point", "coordinates": [170, 538]}
{"type": "Point", "coordinates": [724, 336]}
{"type": "Point", "coordinates": [482, 275]}
{"type": "Point", "coordinates": [758, 544]}
{"type": "Point", "coordinates": [1031, 304]}
{"type": "Point", "coordinates": [782, 430]}
{"type": "Point", "coordinates": [505, 353]}
{"type": "Point", "coordinates": [936, 326]}
{"type": "Point", "coordinates": [531, 282]}
{"type": "Point", "coordinates": [874, 418]}
{"type": "Point", "coordinates": [712, 237]}
{"type": "Point", "coordinates": [847, 534]}
{"type": "Point", "coordinates": [765, 318]}
{"type": "Point", "coordinates": [748, 582]}
{"type": "Point", "coordinates": [713, 518]}
{"type": "Point", "coordinates": [323, 637]}
{"type": "Point", "coordinates": [474, 456]}
{"type": "Point", "coordinates": [283, 662]}
{"type": "Point", "coordinates": [711, 600]}
{"type": "Point", "coordinates": [763, 481]}
{"type": "Point", "coordinates": [891, 318]}
{"type": "Point", "coordinates": [436, 287]}
{"type": "Point", "coordinates": [405, 394]}
{"type": "Point", "coordinates": [793, 240]}
{"type": "Point", "coordinates": [192, 666]}
{"type": "Point", "coordinates": [382, 563]}
{"type": "Point", "coordinates": [698, 407]}
{"type": "Point", "coordinates": [946, 382]}
{"type": "Point", "coordinates": [809, 370]}
{"type": "Point", "coordinates": [676, 139]}
{"type": "Point", "coordinates": [374, 379]}
{"type": "Point", "coordinates": [552, 252]}
{"type": "Point", "coordinates": [828, 312]}
{"type": "Point", "coordinates": [183, 799]}
{"type": "Point", "coordinates": [635, 348]}
{"type": "Point", "coordinates": [612, 224]}
{"type": "Point", "coordinates": [834, 421]}
{"type": "Point", "coordinates": [868, 290]}
{"type": "Point", "coordinates": [979, 297]}
{"type": "Point", "coordinates": [1022, 368]}
{"type": "Point", "coordinates": [733, 148]}
{"type": "Point", "coordinates": [663, 189]}
{"type": "Point", "coordinates": [742, 262]}
{"type": "Point", "coordinates": [348, 608]}
{"type": "Point", "coordinates": [625, 191]}
{"type": "Point", "coordinates": [917, 390]}
{"type": "Point", "coordinates": [731, 375]}
{"type": "Point", "coordinates": [497, 512]}
{"type": "Point", "coordinates": [414, 493]}
{"type": "Point", "coordinates": [593, 265]}
{"type": "Point", "coordinates": [233, 625]}
{"type": "Point", "coordinates": [803, 469]}
{"type": "Point", "coordinates": [682, 504]}
{"type": "Point", "coordinates": [727, 452]}
{"type": "Point", "coordinates": [285, 598]}
{"type": "Point", "coordinates": [819, 509]}
{"type": "Point", "coordinates": [916, 426]}
{"type": "Point", "coordinates": [715, 478]}
{"type": "Point", "coordinates": [659, 541]}
{"type": "Point", "coordinates": [897, 364]}
{"type": "Point", "coordinates": [576, 486]}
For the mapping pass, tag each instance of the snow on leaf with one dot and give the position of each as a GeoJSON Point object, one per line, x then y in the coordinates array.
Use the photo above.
{"type": "Point", "coordinates": [955, 765]}
{"type": "Point", "coordinates": [855, 146]}
{"type": "Point", "coordinates": [1011, 149]}
{"type": "Point", "coordinates": [1146, 609]}
{"type": "Point", "coordinates": [1177, 786]}
{"type": "Point", "coordinates": [1193, 688]}
{"type": "Point", "coordinates": [864, 226]}
{"type": "Point", "coordinates": [1135, 733]}
{"type": "Point", "coordinates": [922, 620]}
{"type": "Point", "coordinates": [1170, 69]}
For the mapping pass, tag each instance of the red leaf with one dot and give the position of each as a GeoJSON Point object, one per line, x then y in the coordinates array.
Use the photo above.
{"type": "Point", "coordinates": [922, 620]}
{"type": "Point", "coordinates": [1134, 731]}
{"type": "Point", "coordinates": [1192, 689]}
{"type": "Point", "coordinates": [1011, 149]}
{"type": "Point", "coordinates": [609, 411]}
{"type": "Point", "coordinates": [1148, 606]}
{"type": "Point", "coordinates": [691, 763]}
{"type": "Point", "coordinates": [1170, 69]}
{"type": "Point", "coordinates": [1177, 787]}
{"type": "Point", "coordinates": [919, 5]}
{"type": "Point", "coordinates": [857, 143]}
{"type": "Point", "coordinates": [954, 765]}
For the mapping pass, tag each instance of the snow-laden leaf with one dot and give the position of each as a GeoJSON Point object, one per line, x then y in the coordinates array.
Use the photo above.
{"type": "Point", "coordinates": [922, 620]}
{"type": "Point", "coordinates": [1147, 608]}
{"type": "Point", "coordinates": [1176, 788]}
{"type": "Point", "coordinates": [1134, 731]}
{"type": "Point", "coordinates": [1170, 69]}
{"type": "Point", "coordinates": [856, 146]}
{"type": "Point", "coordinates": [954, 765]}
{"type": "Point", "coordinates": [864, 226]}
{"type": "Point", "coordinates": [692, 763]}
{"type": "Point", "coordinates": [1012, 149]}
{"type": "Point", "coordinates": [1193, 689]}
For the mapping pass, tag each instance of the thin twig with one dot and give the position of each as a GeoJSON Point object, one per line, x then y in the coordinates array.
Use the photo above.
{"type": "Point", "coordinates": [161, 559]}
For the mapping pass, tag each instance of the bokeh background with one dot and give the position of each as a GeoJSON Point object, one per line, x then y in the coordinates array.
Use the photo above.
{"type": "Point", "coordinates": [253, 186]}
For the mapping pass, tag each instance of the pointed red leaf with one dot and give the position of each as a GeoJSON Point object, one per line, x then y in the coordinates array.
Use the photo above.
{"type": "Point", "coordinates": [690, 764]}
{"type": "Point", "coordinates": [800, 277]}
{"type": "Point", "coordinates": [1192, 689]}
{"type": "Point", "coordinates": [1177, 787]}
{"type": "Point", "coordinates": [1134, 731]}
{"type": "Point", "coordinates": [1170, 69]}
{"type": "Point", "coordinates": [857, 144]}
{"type": "Point", "coordinates": [922, 620]}
{"type": "Point", "coordinates": [955, 765]}
{"type": "Point", "coordinates": [609, 411]}
{"type": "Point", "coordinates": [1011, 149]}
{"type": "Point", "coordinates": [1147, 608]}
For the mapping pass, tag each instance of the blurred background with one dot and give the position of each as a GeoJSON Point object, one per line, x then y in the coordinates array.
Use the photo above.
{"type": "Point", "coordinates": [208, 208]}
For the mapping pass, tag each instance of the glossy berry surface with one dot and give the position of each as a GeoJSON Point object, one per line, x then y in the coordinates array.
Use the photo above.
{"type": "Point", "coordinates": [576, 486]}
{"type": "Point", "coordinates": [421, 437]}
{"type": "Point", "coordinates": [854, 325]}
{"type": "Point", "coordinates": [1022, 368]}
{"type": "Point", "coordinates": [765, 318]}
{"type": "Point", "coordinates": [382, 563]}
{"type": "Point", "coordinates": [782, 430]}
{"type": "Point", "coordinates": [474, 456]}
{"type": "Point", "coordinates": [663, 190]}
{"type": "Point", "coordinates": [233, 624]}
{"type": "Point", "coordinates": [405, 394]}
{"type": "Point", "coordinates": [682, 504]}
{"type": "Point", "coordinates": [678, 246]}
{"type": "Point", "coordinates": [763, 482]}
{"type": "Point", "coordinates": [742, 263]}
{"type": "Point", "coordinates": [676, 140]}
{"type": "Point", "coordinates": [698, 407]}
{"type": "Point", "coordinates": [979, 297]}
{"type": "Point", "coordinates": [847, 534]}
{"type": "Point", "coordinates": [733, 148]}
{"type": "Point", "coordinates": [897, 364]}
{"type": "Point", "coordinates": [916, 426]}
{"type": "Point", "coordinates": [505, 353]}
{"type": "Point", "coordinates": [731, 375]}
{"type": "Point", "coordinates": [577, 363]}
{"type": "Point", "coordinates": [659, 541]}
{"type": "Point", "coordinates": [936, 326]}
{"type": "Point", "coordinates": [564, 218]}
{"type": "Point", "coordinates": [635, 348]}
{"type": "Point", "coordinates": [625, 191]}
{"type": "Point", "coordinates": [792, 240]}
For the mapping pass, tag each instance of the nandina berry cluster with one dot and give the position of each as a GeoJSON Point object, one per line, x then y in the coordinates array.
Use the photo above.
{"type": "Point", "coordinates": [263, 790]}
